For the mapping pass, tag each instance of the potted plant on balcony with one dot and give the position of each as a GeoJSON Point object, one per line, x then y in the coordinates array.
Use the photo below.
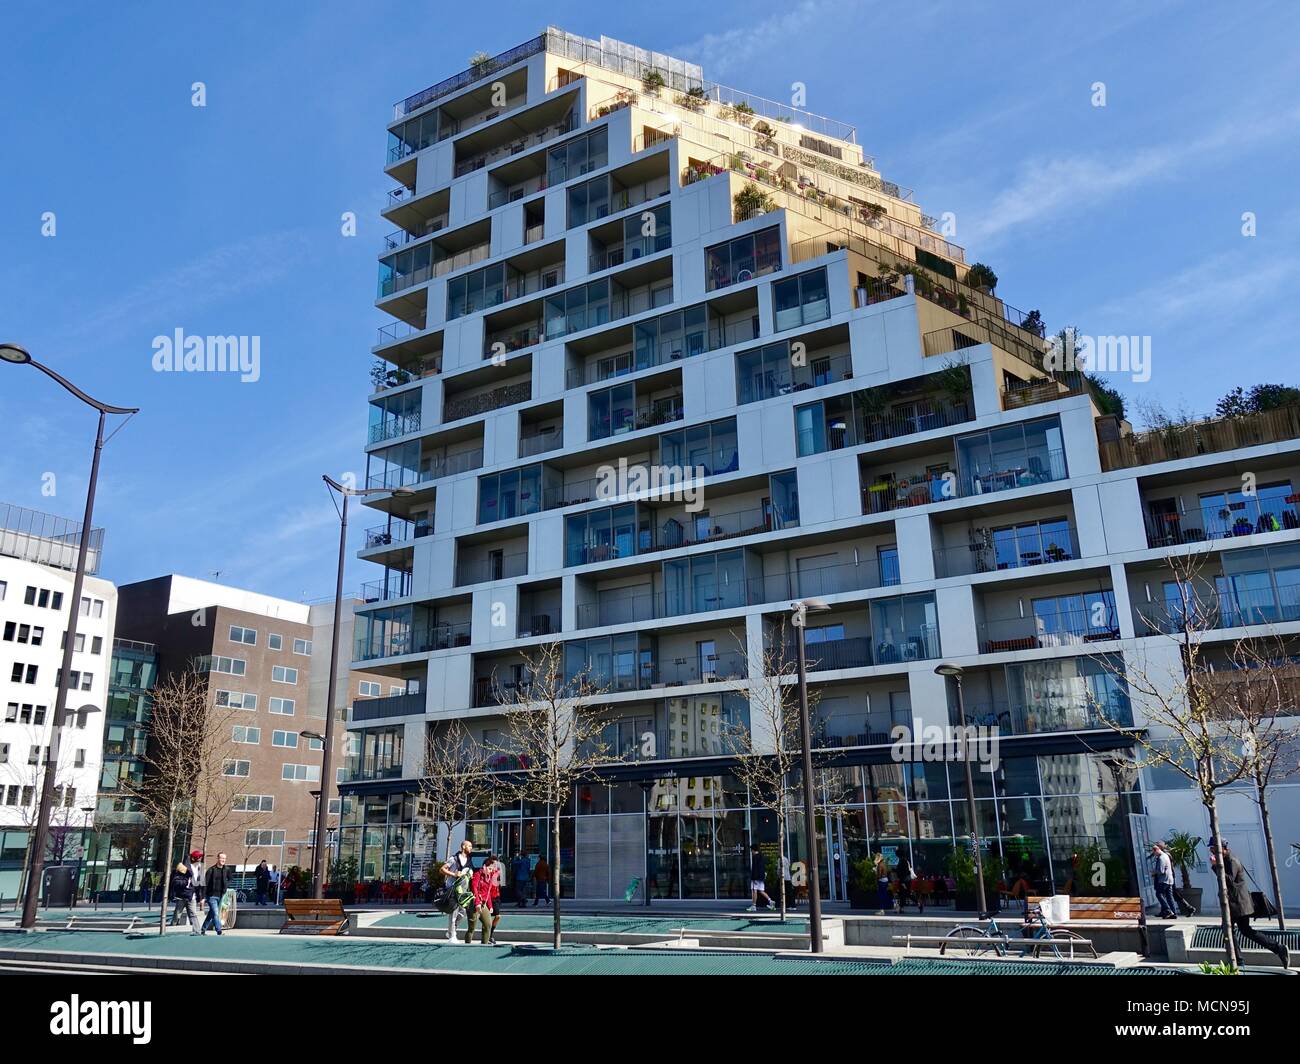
{"type": "Point", "coordinates": [742, 112]}
{"type": "Point", "coordinates": [652, 81]}
{"type": "Point", "coordinates": [765, 137]}
{"type": "Point", "coordinates": [1181, 847]}
{"type": "Point", "coordinates": [981, 277]}
{"type": "Point", "coordinates": [693, 99]}
{"type": "Point", "coordinates": [750, 201]}
{"type": "Point", "coordinates": [954, 380]}
{"type": "Point", "coordinates": [480, 63]}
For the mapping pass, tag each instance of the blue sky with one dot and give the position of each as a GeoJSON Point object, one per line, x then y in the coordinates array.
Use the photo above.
{"type": "Point", "coordinates": [1121, 220]}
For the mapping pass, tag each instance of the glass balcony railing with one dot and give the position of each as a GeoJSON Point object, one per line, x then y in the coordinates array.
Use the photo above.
{"type": "Point", "coordinates": [840, 430]}
{"type": "Point", "coordinates": [431, 468]}
{"type": "Point", "coordinates": [642, 415]}
{"type": "Point", "coordinates": [675, 530]}
{"type": "Point", "coordinates": [517, 146]}
{"type": "Point", "coordinates": [885, 495]}
{"type": "Point", "coordinates": [541, 442]}
{"type": "Point", "coordinates": [1010, 549]}
{"type": "Point", "coordinates": [1053, 714]}
{"type": "Point", "coordinates": [380, 642]}
{"type": "Point", "coordinates": [672, 349]}
{"type": "Point", "coordinates": [1222, 609]}
{"type": "Point", "coordinates": [615, 608]}
{"type": "Point", "coordinates": [395, 585]}
{"type": "Point", "coordinates": [1243, 517]}
{"type": "Point", "coordinates": [1064, 628]}
{"type": "Point", "coordinates": [784, 379]}
{"type": "Point", "coordinates": [485, 570]}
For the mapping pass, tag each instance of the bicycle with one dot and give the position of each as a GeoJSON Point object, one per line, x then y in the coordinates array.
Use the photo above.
{"type": "Point", "coordinates": [975, 940]}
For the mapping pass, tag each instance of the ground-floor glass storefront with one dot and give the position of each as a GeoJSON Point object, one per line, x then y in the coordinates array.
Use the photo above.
{"type": "Point", "coordinates": [1049, 819]}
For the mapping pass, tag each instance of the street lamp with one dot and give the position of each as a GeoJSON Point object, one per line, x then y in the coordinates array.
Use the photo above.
{"type": "Point", "coordinates": [949, 669]}
{"type": "Point", "coordinates": [799, 618]}
{"type": "Point", "coordinates": [19, 356]}
{"type": "Point", "coordinates": [327, 759]}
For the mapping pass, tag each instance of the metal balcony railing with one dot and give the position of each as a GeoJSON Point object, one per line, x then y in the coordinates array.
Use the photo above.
{"type": "Point", "coordinates": [455, 408]}
{"type": "Point", "coordinates": [392, 427]}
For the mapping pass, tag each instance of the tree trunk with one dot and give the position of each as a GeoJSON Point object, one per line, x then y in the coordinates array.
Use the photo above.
{"type": "Point", "coordinates": [780, 855]}
{"type": "Point", "coordinates": [167, 874]}
{"type": "Point", "coordinates": [1225, 911]}
{"type": "Point", "coordinates": [555, 873]}
{"type": "Point", "coordinates": [1267, 823]}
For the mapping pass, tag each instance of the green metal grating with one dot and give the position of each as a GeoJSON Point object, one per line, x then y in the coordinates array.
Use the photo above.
{"type": "Point", "coordinates": [616, 925]}
{"type": "Point", "coordinates": [1212, 938]}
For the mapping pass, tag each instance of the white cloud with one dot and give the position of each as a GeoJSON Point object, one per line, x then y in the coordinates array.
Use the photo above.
{"type": "Point", "coordinates": [1054, 187]}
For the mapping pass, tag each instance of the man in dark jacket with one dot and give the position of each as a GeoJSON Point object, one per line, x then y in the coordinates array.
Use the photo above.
{"type": "Point", "coordinates": [263, 880]}
{"type": "Point", "coordinates": [1241, 906]}
{"type": "Point", "coordinates": [220, 877]}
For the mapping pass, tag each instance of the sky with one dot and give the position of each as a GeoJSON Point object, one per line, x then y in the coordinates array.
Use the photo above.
{"type": "Point", "coordinates": [127, 213]}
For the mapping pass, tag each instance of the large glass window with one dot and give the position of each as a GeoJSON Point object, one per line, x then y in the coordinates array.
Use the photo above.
{"type": "Point", "coordinates": [512, 493]}
{"type": "Point", "coordinates": [1011, 456]}
{"type": "Point", "coordinates": [1236, 513]}
{"type": "Point", "coordinates": [801, 300]}
{"type": "Point", "coordinates": [710, 447]}
{"type": "Point", "coordinates": [743, 259]}
{"type": "Point", "coordinates": [578, 156]}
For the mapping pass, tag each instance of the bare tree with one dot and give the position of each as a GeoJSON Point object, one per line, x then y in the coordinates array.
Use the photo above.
{"type": "Point", "coordinates": [217, 783]}
{"type": "Point", "coordinates": [1182, 701]}
{"type": "Point", "coordinates": [63, 813]}
{"type": "Point", "coordinates": [1258, 704]}
{"type": "Point", "coordinates": [773, 715]}
{"type": "Point", "coordinates": [165, 792]}
{"type": "Point", "coordinates": [456, 775]}
{"type": "Point", "coordinates": [556, 737]}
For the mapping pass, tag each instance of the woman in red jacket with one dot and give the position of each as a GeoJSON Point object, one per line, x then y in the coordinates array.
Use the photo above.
{"type": "Point", "coordinates": [486, 888]}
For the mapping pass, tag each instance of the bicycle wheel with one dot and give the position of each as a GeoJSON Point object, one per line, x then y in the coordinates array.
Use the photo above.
{"type": "Point", "coordinates": [968, 941]}
{"type": "Point", "coordinates": [1068, 944]}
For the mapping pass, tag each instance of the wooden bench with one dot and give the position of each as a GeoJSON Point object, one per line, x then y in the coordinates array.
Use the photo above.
{"type": "Point", "coordinates": [314, 916]}
{"type": "Point", "coordinates": [1124, 909]}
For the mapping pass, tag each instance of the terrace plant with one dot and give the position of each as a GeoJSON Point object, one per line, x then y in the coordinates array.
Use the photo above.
{"type": "Point", "coordinates": [751, 200]}
{"type": "Point", "coordinates": [982, 277]}
{"type": "Point", "coordinates": [652, 81]}
{"type": "Point", "coordinates": [479, 62]}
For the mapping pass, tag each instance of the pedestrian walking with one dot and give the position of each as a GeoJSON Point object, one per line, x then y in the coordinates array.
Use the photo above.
{"type": "Point", "coordinates": [1241, 906]}
{"type": "Point", "coordinates": [542, 878]}
{"type": "Point", "coordinates": [459, 870]}
{"type": "Point", "coordinates": [883, 900]}
{"type": "Point", "coordinates": [216, 881]}
{"type": "Point", "coordinates": [182, 891]}
{"type": "Point", "coordinates": [276, 879]}
{"type": "Point", "coordinates": [146, 887]}
{"type": "Point", "coordinates": [485, 885]}
{"type": "Point", "coordinates": [787, 881]}
{"type": "Point", "coordinates": [262, 882]}
{"type": "Point", "coordinates": [757, 880]}
{"type": "Point", "coordinates": [1162, 878]}
{"type": "Point", "coordinates": [521, 874]}
{"type": "Point", "coordinates": [903, 870]}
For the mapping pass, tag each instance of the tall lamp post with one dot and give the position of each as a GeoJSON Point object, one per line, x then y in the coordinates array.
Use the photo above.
{"type": "Point", "coordinates": [327, 760]}
{"type": "Point", "coordinates": [18, 356]}
{"type": "Point", "coordinates": [955, 671]}
{"type": "Point", "coordinates": [799, 618]}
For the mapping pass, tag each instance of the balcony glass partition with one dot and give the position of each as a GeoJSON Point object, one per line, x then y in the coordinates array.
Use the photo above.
{"type": "Point", "coordinates": [1010, 456]}
{"type": "Point", "coordinates": [711, 447]}
{"type": "Point", "coordinates": [578, 156]}
{"type": "Point", "coordinates": [743, 259]}
{"type": "Point", "coordinates": [394, 467]}
{"type": "Point", "coordinates": [801, 300]}
{"type": "Point", "coordinates": [905, 628]}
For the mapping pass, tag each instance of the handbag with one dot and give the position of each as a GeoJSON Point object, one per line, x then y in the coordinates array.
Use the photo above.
{"type": "Point", "coordinates": [1263, 908]}
{"type": "Point", "coordinates": [443, 900]}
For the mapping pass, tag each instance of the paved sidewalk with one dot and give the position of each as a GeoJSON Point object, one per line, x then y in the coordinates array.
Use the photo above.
{"type": "Point", "coordinates": [261, 952]}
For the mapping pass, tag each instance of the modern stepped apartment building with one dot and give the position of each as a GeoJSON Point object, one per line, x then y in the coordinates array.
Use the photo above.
{"type": "Point", "coordinates": [581, 278]}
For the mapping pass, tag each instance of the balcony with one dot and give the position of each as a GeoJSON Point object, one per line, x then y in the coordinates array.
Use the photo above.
{"type": "Point", "coordinates": [475, 73]}
{"type": "Point", "coordinates": [399, 238]}
{"type": "Point", "coordinates": [1017, 395]}
{"type": "Point", "coordinates": [515, 146]}
{"type": "Point", "coordinates": [635, 607]}
{"type": "Point", "coordinates": [1053, 714]}
{"type": "Point", "coordinates": [392, 427]}
{"type": "Point", "coordinates": [537, 622]}
{"type": "Point", "coordinates": [454, 409]}
{"type": "Point", "coordinates": [768, 381]}
{"type": "Point", "coordinates": [383, 643]}
{"type": "Point", "coordinates": [882, 496]}
{"type": "Point", "coordinates": [1215, 610]}
{"type": "Point", "coordinates": [649, 352]}
{"type": "Point", "coordinates": [433, 467]}
{"type": "Point", "coordinates": [871, 415]}
{"type": "Point", "coordinates": [541, 442]}
{"type": "Point", "coordinates": [635, 417]}
{"type": "Point", "coordinates": [1062, 628]}
{"type": "Point", "coordinates": [408, 705]}
{"type": "Point", "coordinates": [1018, 548]}
{"type": "Point", "coordinates": [395, 585]}
{"type": "Point", "coordinates": [396, 532]}
{"type": "Point", "coordinates": [1211, 436]}
{"type": "Point", "coordinates": [497, 567]}
{"type": "Point", "coordinates": [687, 530]}
{"type": "Point", "coordinates": [1242, 517]}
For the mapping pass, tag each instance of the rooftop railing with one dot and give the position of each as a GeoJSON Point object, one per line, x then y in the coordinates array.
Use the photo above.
{"type": "Point", "coordinates": [475, 73]}
{"type": "Point", "coordinates": [1209, 436]}
{"type": "Point", "coordinates": [46, 539]}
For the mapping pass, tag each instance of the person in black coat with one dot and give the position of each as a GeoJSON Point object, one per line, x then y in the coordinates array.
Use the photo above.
{"type": "Point", "coordinates": [262, 878]}
{"type": "Point", "coordinates": [1241, 906]}
{"type": "Point", "coordinates": [218, 879]}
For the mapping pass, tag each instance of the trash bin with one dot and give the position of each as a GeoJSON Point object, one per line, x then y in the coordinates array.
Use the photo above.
{"type": "Point", "coordinates": [56, 885]}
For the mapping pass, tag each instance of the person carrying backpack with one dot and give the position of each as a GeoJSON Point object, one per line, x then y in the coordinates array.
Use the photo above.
{"type": "Point", "coordinates": [459, 870]}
